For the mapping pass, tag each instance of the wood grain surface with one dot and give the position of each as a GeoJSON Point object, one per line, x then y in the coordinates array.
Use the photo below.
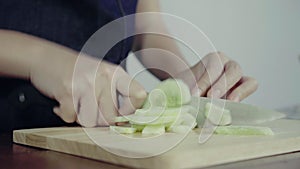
{"type": "Point", "coordinates": [219, 149]}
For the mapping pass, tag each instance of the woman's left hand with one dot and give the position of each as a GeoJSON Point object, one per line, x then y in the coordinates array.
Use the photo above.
{"type": "Point", "coordinates": [219, 77]}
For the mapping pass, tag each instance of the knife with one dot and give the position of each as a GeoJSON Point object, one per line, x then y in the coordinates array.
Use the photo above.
{"type": "Point", "coordinates": [242, 114]}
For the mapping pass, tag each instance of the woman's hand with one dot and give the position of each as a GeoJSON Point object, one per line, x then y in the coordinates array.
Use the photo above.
{"type": "Point", "coordinates": [219, 77]}
{"type": "Point", "coordinates": [86, 88]}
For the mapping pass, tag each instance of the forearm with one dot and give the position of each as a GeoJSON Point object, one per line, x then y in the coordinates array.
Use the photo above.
{"type": "Point", "coordinates": [19, 53]}
{"type": "Point", "coordinates": [167, 59]}
{"type": "Point", "coordinates": [170, 60]}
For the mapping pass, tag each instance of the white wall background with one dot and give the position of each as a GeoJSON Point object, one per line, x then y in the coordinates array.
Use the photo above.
{"type": "Point", "coordinates": [262, 35]}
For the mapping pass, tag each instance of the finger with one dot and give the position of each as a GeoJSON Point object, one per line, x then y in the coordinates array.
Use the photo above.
{"type": "Point", "coordinates": [107, 106]}
{"type": "Point", "coordinates": [133, 94]}
{"type": "Point", "coordinates": [88, 109]}
{"type": "Point", "coordinates": [247, 86]}
{"type": "Point", "coordinates": [66, 111]}
{"type": "Point", "coordinates": [232, 74]}
{"type": "Point", "coordinates": [191, 75]}
{"type": "Point", "coordinates": [213, 71]}
{"type": "Point", "coordinates": [130, 87]}
{"type": "Point", "coordinates": [129, 106]}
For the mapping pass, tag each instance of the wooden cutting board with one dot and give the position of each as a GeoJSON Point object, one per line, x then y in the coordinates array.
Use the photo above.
{"type": "Point", "coordinates": [219, 149]}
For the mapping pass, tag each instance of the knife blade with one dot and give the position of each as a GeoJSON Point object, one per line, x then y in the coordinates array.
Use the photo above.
{"type": "Point", "coordinates": [242, 114]}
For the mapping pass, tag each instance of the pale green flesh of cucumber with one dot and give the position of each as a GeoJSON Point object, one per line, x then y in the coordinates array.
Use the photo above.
{"type": "Point", "coordinates": [243, 130]}
{"type": "Point", "coordinates": [181, 129]}
{"type": "Point", "coordinates": [138, 128]}
{"type": "Point", "coordinates": [169, 93]}
{"type": "Point", "coordinates": [123, 130]}
{"type": "Point", "coordinates": [165, 109]}
{"type": "Point", "coordinates": [156, 129]}
{"type": "Point", "coordinates": [217, 115]}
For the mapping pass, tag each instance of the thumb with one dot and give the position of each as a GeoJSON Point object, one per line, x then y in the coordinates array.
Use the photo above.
{"type": "Point", "coordinates": [191, 76]}
{"type": "Point", "coordinates": [133, 94]}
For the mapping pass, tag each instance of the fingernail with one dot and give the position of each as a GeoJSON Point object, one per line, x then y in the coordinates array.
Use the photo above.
{"type": "Point", "coordinates": [216, 93]}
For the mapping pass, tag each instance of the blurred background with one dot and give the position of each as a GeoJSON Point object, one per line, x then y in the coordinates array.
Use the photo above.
{"type": "Point", "coordinates": [263, 36]}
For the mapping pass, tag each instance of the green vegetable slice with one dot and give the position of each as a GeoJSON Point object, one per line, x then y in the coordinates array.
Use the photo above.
{"type": "Point", "coordinates": [164, 109]}
{"type": "Point", "coordinates": [147, 120]}
{"type": "Point", "coordinates": [181, 129]}
{"type": "Point", "coordinates": [160, 111]}
{"type": "Point", "coordinates": [139, 128]}
{"type": "Point", "coordinates": [154, 130]}
{"type": "Point", "coordinates": [217, 115]}
{"type": "Point", "coordinates": [123, 130]}
{"type": "Point", "coordinates": [169, 93]}
{"type": "Point", "coordinates": [244, 130]}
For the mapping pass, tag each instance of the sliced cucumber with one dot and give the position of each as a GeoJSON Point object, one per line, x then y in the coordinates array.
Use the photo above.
{"type": "Point", "coordinates": [160, 111]}
{"type": "Point", "coordinates": [217, 115]}
{"type": "Point", "coordinates": [120, 119]}
{"type": "Point", "coordinates": [139, 128]}
{"type": "Point", "coordinates": [154, 130]}
{"type": "Point", "coordinates": [123, 130]}
{"type": "Point", "coordinates": [184, 119]}
{"type": "Point", "coordinates": [169, 93]}
{"type": "Point", "coordinates": [144, 120]}
{"type": "Point", "coordinates": [181, 129]}
{"type": "Point", "coordinates": [163, 109]}
{"type": "Point", "coordinates": [243, 130]}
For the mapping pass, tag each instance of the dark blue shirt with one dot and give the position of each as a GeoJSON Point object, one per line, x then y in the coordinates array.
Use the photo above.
{"type": "Point", "coordinates": [66, 22]}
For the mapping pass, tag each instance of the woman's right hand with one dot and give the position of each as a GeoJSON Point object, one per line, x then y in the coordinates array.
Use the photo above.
{"type": "Point", "coordinates": [86, 88]}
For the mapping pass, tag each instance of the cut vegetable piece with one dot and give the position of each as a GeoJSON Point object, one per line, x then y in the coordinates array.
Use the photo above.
{"type": "Point", "coordinates": [120, 119]}
{"type": "Point", "coordinates": [169, 93]}
{"type": "Point", "coordinates": [244, 130]}
{"type": "Point", "coordinates": [154, 130]}
{"type": "Point", "coordinates": [217, 115]}
{"type": "Point", "coordinates": [160, 111]}
{"type": "Point", "coordinates": [156, 98]}
{"type": "Point", "coordinates": [154, 116]}
{"type": "Point", "coordinates": [188, 120]}
{"type": "Point", "coordinates": [158, 115]}
{"type": "Point", "coordinates": [138, 128]}
{"type": "Point", "coordinates": [185, 119]}
{"type": "Point", "coordinates": [182, 129]}
{"type": "Point", "coordinates": [123, 130]}
{"type": "Point", "coordinates": [149, 120]}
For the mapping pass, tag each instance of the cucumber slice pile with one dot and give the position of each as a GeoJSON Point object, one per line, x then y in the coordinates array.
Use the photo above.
{"type": "Point", "coordinates": [167, 109]}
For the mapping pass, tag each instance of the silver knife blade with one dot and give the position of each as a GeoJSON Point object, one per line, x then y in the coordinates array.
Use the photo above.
{"type": "Point", "coordinates": [242, 114]}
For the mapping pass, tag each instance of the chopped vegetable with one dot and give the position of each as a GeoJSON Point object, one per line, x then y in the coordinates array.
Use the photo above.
{"type": "Point", "coordinates": [166, 109]}
{"type": "Point", "coordinates": [139, 128]}
{"type": "Point", "coordinates": [169, 93]}
{"type": "Point", "coordinates": [154, 130]}
{"type": "Point", "coordinates": [244, 130]}
{"type": "Point", "coordinates": [123, 130]}
{"type": "Point", "coordinates": [181, 129]}
{"type": "Point", "coordinates": [160, 111]}
{"type": "Point", "coordinates": [217, 115]}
